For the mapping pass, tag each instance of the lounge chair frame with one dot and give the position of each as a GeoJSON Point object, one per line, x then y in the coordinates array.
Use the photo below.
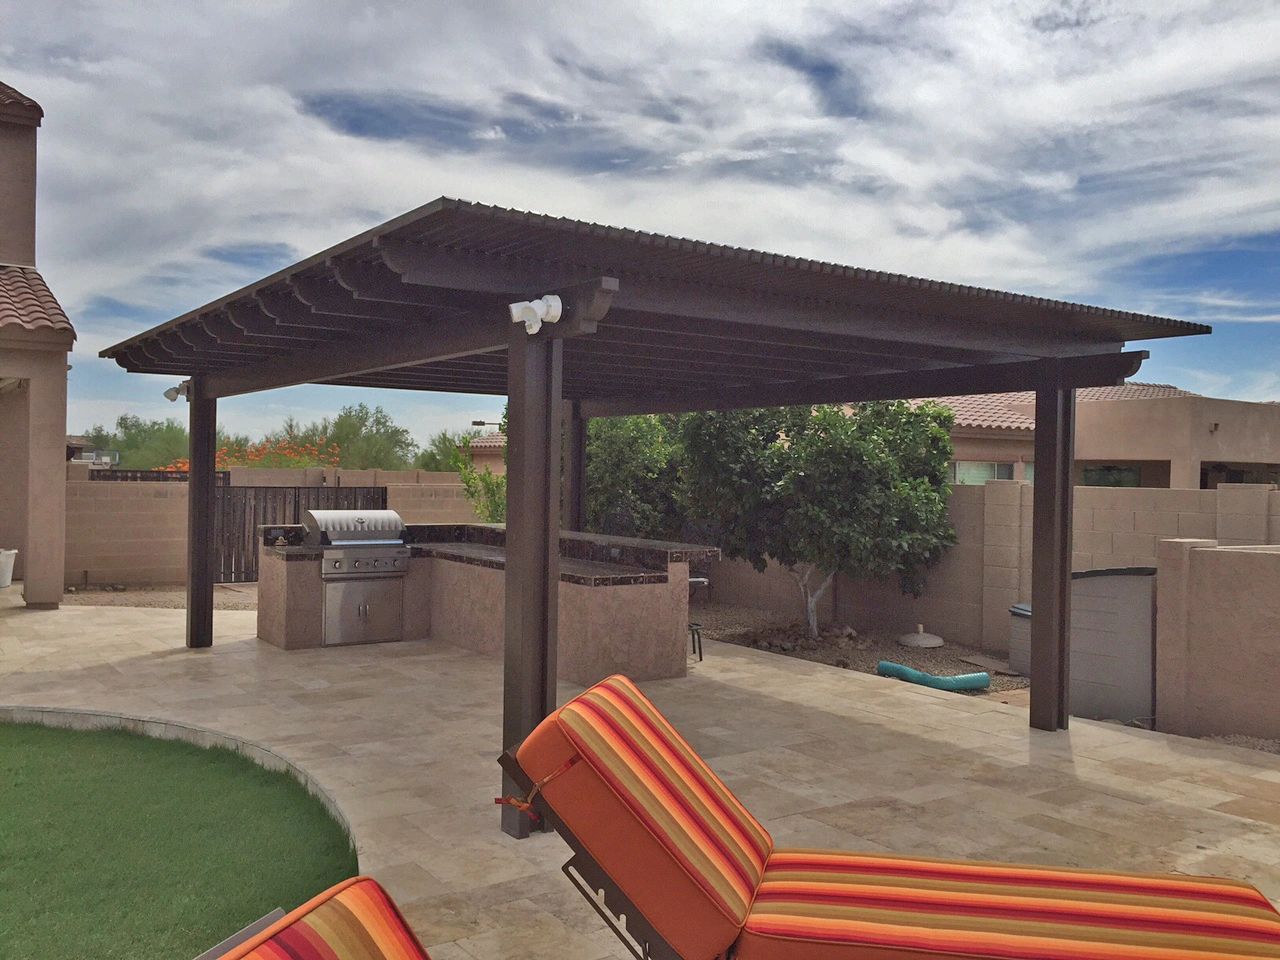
{"type": "Point", "coordinates": [590, 879]}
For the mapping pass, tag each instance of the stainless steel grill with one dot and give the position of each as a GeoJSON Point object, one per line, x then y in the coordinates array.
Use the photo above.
{"type": "Point", "coordinates": [358, 543]}
{"type": "Point", "coordinates": [363, 563]}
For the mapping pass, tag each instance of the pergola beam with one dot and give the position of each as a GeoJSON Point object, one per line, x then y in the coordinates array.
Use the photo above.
{"type": "Point", "coordinates": [1086, 371]}
{"type": "Point", "coordinates": [1051, 557]}
{"type": "Point", "coordinates": [202, 449]}
{"type": "Point", "coordinates": [532, 576]}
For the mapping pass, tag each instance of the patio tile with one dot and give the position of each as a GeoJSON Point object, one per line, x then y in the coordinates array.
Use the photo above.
{"type": "Point", "coordinates": [404, 736]}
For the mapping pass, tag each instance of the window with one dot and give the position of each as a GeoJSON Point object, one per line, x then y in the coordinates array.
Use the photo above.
{"type": "Point", "coordinates": [971, 472]}
{"type": "Point", "coordinates": [1109, 476]}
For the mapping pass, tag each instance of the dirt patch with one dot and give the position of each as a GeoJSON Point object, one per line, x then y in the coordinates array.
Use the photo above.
{"type": "Point", "coordinates": [768, 631]}
{"type": "Point", "coordinates": [226, 596]}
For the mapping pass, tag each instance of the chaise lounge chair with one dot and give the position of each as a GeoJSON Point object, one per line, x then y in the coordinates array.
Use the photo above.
{"type": "Point", "coordinates": [696, 877]}
{"type": "Point", "coordinates": [353, 920]}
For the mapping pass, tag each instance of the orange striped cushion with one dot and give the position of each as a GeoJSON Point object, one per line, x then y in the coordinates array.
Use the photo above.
{"type": "Point", "coordinates": [354, 920]}
{"type": "Point", "coordinates": [670, 790]}
{"type": "Point", "coordinates": [824, 904]}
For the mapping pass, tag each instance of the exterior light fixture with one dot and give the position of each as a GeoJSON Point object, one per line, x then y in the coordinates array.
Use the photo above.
{"type": "Point", "coordinates": [181, 390]}
{"type": "Point", "coordinates": [534, 313]}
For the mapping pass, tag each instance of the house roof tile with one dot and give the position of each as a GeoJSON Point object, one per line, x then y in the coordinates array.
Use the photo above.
{"type": "Point", "coordinates": [27, 302]}
{"type": "Point", "coordinates": [18, 107]}
{"type": "Point", "coordinates": [997, 411]}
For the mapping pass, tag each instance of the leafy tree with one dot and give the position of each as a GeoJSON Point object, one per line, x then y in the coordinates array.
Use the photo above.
{"type": "Point", "coordinates": [149, 444]}
{"type": "Point", "coordinates": [486, 490]}
{"type": "Point", "coordinates": [633, 478]}
{"type": "Point", "coordinates": [442, 451]}
{"type": "Point", "coordinates": [823, 490]}
{"type": "Point", "coordinates": [366, 439]}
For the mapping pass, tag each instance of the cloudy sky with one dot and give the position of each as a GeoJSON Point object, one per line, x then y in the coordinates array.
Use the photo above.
{"type": "Point", "coordinates": [1119, 153]}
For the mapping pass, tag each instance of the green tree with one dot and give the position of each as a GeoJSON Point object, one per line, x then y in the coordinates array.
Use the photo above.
{"type": "Point", "coordinates": [149, 444]}
{"type": "Point", "coordinates": [486, 490]}
{"type": "Point", "coordinates": [367, 439]}
{"type": "Point", "coordinates": [823, 490]}
{"type": "Point", "coordinates": [633, 478]}
{"type": "Point", "coordinates": [442, 451]}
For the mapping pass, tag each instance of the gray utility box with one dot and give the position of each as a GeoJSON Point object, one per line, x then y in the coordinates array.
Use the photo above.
{"type": "Point", "coordinates": [1112, 657]}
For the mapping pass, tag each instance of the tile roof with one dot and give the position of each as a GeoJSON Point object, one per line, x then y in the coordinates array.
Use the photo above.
{"type": "Point", "coordinates": [26, 301]}
{"type": "Point", "coordinates": [994, 411]}
{"type": "Point", "coordinates": [987, 411]}
{"type": "Point", "coordinates": [15, 106]}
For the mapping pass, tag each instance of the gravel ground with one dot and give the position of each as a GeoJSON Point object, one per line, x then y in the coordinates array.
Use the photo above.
{"type": "Point", "coordinates": [767, 631]}
{"type": "Point", "coordinates": [1251, 743]}
{"type": "Point", "coordinates": [226, 596]}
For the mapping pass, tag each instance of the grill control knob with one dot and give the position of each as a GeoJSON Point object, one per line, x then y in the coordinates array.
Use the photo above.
{"type": "Point", "coordinates": [395, 563]}
{"type": "Point", "coordinates": [377, 564]}
{"type": "Point", "coordinates": [358, 564]}
{"type": "Point", "coordinates": [337, 564]}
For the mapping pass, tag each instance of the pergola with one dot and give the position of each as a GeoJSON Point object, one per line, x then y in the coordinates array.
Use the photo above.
{"type": "Point", "coordinates": [651, 324]}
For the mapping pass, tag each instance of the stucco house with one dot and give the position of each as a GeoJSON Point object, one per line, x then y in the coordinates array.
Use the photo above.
{"type": "Point", "coordinates": [35, 338]}
{"type": "Point", "coordinates": [490, 450]}
{"type": "Point", "coordinates": [1134, 435]}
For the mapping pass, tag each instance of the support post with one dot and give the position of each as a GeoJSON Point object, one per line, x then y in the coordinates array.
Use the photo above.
{"type": "Point", "coordinates": [573, 504]}
{"type": "Point", "coordinates": [1051, 557]}
{"type": "Point", "coordinates": [203, 442]}
{"type": "Point", "coordinates": [534, 384]}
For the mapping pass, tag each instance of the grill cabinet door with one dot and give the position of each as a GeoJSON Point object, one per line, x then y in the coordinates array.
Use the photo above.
{"type": "Point", "coordinates": [362, 611]}
{"type": "Point", "coordinates": [383, 611]}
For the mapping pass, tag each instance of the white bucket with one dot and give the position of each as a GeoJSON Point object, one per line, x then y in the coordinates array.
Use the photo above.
{"type": "Point", "coordinates": [6, 566]}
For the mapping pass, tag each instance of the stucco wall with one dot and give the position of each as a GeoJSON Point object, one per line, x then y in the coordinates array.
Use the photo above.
{"type": "Point", "coordinates": [13, 474]}
{"type": "Point", "coordinates": [1218, 628]}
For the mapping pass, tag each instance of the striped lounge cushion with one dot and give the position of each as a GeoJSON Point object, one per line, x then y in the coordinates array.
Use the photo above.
{"type": "Point", "coordinates": [652, 815]}
{"type": "Point", "coordinates": [354, 920]}
{"type": "Point", "coordinates": [822, 904]}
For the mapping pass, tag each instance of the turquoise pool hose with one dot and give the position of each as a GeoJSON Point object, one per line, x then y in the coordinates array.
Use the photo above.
{"type": "Point", "coordinates": [965, 681]}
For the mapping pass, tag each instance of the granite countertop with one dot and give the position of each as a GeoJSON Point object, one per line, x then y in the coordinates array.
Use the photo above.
{"type": "Point", "coordinates": [590, 573]}
{"type": "Point", "coordinates": [586, 558]}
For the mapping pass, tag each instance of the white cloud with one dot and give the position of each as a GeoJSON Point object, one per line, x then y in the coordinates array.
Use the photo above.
{"type": "Point", "coordinates": [1028, 144]}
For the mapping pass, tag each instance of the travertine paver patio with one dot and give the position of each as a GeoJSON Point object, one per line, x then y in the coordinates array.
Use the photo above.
{"type": "Point", "coordinates": [404, 737]}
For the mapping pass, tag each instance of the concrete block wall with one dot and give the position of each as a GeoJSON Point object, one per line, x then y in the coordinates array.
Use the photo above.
{"type": "Point", "coordinates": [333, 477]}
{"type": "Point", "coordinates": [135, 533]}
{"type": "Point", "coordinates": [1217, 623]}
{"type": "Point", "coordinates": [968, 595]}
{"type": "Point", "coordinates": [430, 503]}
{"type": "Point", "coordinates": [129, 533]}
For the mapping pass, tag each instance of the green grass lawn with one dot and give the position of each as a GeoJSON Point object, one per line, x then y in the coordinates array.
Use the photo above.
{"type": "Point", "coordinates": [117, 845]}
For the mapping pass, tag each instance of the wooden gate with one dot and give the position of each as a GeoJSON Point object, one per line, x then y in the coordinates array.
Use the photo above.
{"type": "Point", "coordinates": [240, 511]}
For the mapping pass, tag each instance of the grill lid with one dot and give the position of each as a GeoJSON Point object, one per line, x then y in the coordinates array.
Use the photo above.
{"type": "Point", "coordinates": [353, 527]}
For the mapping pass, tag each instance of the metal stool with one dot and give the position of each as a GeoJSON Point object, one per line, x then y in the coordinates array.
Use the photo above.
{"type": "Point", "coordinates": [695, 639]}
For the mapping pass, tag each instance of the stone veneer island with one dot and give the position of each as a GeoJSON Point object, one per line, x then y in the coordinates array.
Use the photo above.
{"type": "Point", "coordinates": [623, 608]}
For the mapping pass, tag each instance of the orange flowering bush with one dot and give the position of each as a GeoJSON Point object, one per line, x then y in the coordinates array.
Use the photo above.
{"type": "Point", "coordinates": [271, 452]}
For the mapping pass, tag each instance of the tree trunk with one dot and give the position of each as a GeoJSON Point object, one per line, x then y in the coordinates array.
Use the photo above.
{"type": "Point", "coordinates": [811, 596]}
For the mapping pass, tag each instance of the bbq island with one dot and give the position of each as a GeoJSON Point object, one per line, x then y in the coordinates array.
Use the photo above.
{"type": "Point", "coordinates": [339, 578]}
